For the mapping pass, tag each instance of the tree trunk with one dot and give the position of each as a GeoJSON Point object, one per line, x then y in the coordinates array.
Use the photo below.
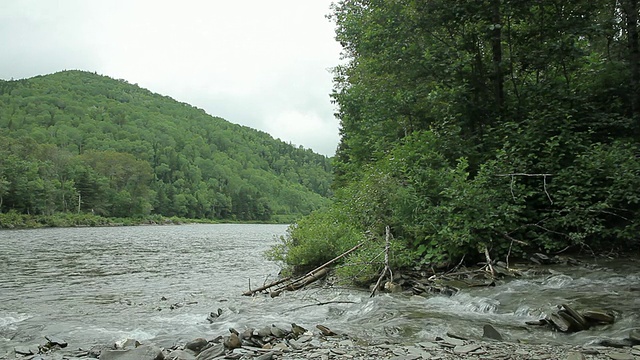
{"type": "Point", "coordinates": [630, 7]}
{"type": "Point", "coordinates": [496, 48]}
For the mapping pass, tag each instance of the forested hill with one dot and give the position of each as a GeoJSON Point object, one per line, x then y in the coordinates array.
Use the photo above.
{"type": "Point", "coordinates": [77, 141]}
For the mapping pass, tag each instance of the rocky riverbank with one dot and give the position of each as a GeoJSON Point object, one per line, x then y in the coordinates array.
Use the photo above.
{"type": "Point", "coordinates": [278, 343]}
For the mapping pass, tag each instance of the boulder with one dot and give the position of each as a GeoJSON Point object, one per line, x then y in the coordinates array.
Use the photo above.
{"type": "Point", "coordinates": [196, 345]}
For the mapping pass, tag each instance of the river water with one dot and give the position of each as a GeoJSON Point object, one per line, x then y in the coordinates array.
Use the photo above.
{"type": "Point", "coordinates": [158, 283]}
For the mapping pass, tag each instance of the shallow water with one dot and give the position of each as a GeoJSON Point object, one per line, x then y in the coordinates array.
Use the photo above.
{"type": "Point", "coordinates": [99, 285]}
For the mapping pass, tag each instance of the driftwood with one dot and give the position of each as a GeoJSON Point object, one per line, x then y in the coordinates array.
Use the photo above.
{"type": "Point", "coordinates": [300, 282]}
{"type": "Point", "coordinates": [265, 287]}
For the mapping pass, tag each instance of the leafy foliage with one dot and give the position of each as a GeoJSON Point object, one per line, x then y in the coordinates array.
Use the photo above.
{"type": "Point", "coordinates": [507, 125]}
{"type": "Point", "coordinates": [79, 142]}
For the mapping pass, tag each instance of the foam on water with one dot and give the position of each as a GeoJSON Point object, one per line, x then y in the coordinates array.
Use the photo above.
{"type": "Point", "coordinates": [9, 319]}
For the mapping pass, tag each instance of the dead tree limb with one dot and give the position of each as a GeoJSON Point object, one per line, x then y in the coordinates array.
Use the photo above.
{"type": "Point", "coordinates": [301, 282]}
{"type": "Point", "coordinates": [312, 275]}
{"type": "Point", "coordinates": [489, 266]}
{"type": "Point", "coordinates": [334, 259]}
{"type": "Point", "coordinates": [265, 287]}
{"type": "Point", "coordinates": [387, 268]}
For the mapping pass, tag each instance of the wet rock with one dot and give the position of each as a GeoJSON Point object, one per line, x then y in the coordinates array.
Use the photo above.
{"type": "Point", "coordinates": [559, 322]}
{"type": "Point", "coordinates": [575, 356]}
{"type": "Point", "coordinates": [539, 258]}
{"type": "Point", "coordinates": [297, 330]}
{"type": "Point", "coordinates": [634, 336]}
{"type": "Point", "coordinates": [26, 350]}
{"type": "Point", "coordinates": [196, 345]}
{"type": "Point", "coordinates": [278, 332]}
{"type": "Point", "coordinates": [56, 341]}
{"type": "Point", "coordinates": [392, 287]}
{"type": "Point", "coordinates": [266, 356]}
{"type": "Point", "coordinates": [581, 321]}
{"type": "Point", "coordinates": [325, 330]}
{"type": "Point", "coordinates": [233, 341]}
{"type": "Point", "coordinates": [574, 325]}
{"type": "Point", "coordinates": [598, 316]}
{"type": "Point", "coordinates": [265, 331]}
{"type": "Point", "coordinates": [211, 353]}
{"type": "Point", "coordinates": [489, 332]}
{"type": "Point", "coordinates": [127, 344]}
{"type": "Point", "coordinates": [616, 343]}
{"type": "Point", "coordinates": [214, 315]}
{"type": "Point", "coordinates": [180, 355]}
{"type": "Point", "coordinates": [621, 356]}
{"type": "Point", "coordinates": [465, 349]}
{"type": "Point", "coordinates": [142, 352]}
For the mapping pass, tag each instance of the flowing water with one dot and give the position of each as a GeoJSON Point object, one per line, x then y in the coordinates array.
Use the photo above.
{"type": "Point", "coordinates": [158, 283]}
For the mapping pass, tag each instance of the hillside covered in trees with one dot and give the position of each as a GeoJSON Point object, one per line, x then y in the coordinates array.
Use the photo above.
{"type": "Point", "coordinates": [506, 126]}
{"type": "Point", "coordinates": [76, 141]}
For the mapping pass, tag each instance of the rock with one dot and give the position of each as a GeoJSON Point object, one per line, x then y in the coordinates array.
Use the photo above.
{"type": "Point", "coordinates": [265, 331]}
{"type": "Point", "coordinates": [616, 343]}
{"type": "Point", "coordinates": [574, 325]}
{"type": "Point", "coordinates": [392, 287]}
{"type": "Point", "coordinates": [621, 356]}
{"type": "Point", "coordinates": [211, 353]}
{"type": "Point", "coordinates": [325, 330]}
{"type": "Point", "coordinates": [278, 332]}
{"type": "Point", "coordinates": [465, 349]}
{"type": "Point", "coordinates": [580, 320]}
{"type": "Point", "coordinates": [179, 355]}
{"type": "Point", "coordinates": [634, 336]}
{"type": "Point", "coordinates": [540, 322]}
{"type": "Point", "coordinates": [233, 341]}
{"type": "Point", "coordinates": [489, 332]}
{"type": "Point", "coordinates": [214, 315]}
{"type": "Point", "coordinates": [597, 316]}
{"type": "Point", "coordinates": [247, 334]}
{"type": "Point", "coordinates": [575, 356]}
{"type": "Point", "coordinates": [196, 345]}
{"type": "Point", "coordinates": [127, 344]}
{"type": "Point", "coordinates": [56, 341]}
{"type": "Point", "coordinates": [142, 352]}
{"type": "Point", "coordinates": [266, 356]}
{"type": "Point", "coordinates": [559, 322]}
{"type": "Point", "coordinates": [26, 350]}
{"type": "Point", "coordinates": [297, 330]}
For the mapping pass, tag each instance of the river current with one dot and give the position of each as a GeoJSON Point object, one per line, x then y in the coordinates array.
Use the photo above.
{"type": "Point", "coordinates": [93, 286]}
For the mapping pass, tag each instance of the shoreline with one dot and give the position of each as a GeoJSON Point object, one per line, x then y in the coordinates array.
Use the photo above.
{"type": "Point", "coordinates": [321, 344]}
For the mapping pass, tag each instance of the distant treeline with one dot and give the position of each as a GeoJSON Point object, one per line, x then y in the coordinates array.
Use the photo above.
{"type": "Point", "coordinates": [75, 141]}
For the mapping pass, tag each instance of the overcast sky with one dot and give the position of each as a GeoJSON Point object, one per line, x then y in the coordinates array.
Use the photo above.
{"type": "Point", "coordinates": [263, 64]}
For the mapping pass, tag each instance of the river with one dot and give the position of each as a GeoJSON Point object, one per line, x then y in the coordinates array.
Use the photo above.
{"type": "Point", "coordinates": [158, 283]}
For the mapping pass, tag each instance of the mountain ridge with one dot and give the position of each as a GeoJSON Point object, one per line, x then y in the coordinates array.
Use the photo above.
{"type": "Point", "coordinates": [201, 166]}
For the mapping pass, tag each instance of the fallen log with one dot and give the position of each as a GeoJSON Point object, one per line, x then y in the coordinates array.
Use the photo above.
{"type": "Point", "coordinates": [301, 282]}
{"type": "Point", "coordinates": [265, 287]}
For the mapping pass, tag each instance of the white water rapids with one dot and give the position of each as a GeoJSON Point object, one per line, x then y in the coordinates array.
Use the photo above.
{"type": "Point", "coordinates": [93, 286]}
